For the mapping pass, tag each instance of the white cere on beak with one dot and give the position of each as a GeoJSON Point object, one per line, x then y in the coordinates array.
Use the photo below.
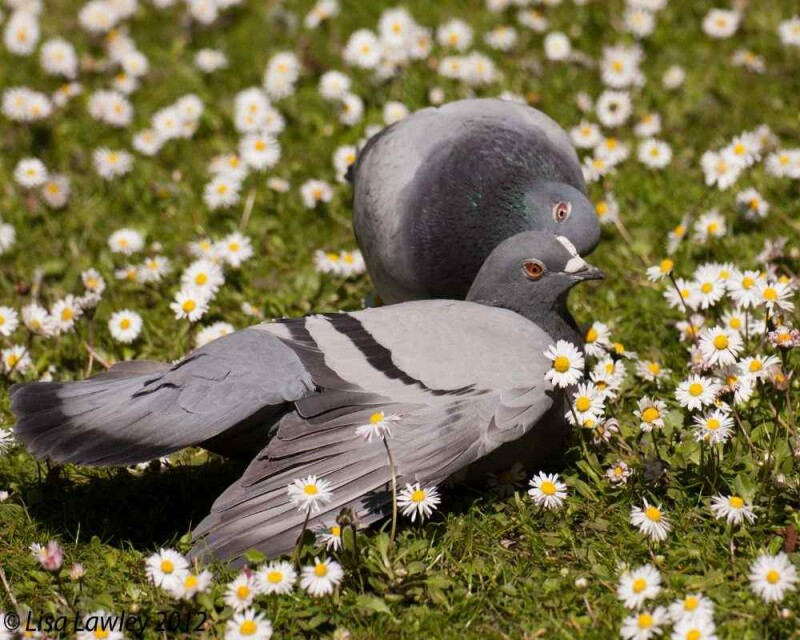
{"type": "Point", "coordinates": [575, 263]}
{"type": "Point", "coordinates": [568, 246]}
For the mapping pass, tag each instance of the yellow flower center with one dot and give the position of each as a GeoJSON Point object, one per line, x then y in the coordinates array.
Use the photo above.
{"type": "Point", "coordinates": [735, 323]}
{"type": "Point", "coordinates": [190, 582]}
{"type": "Point", "coordinates": [548, 488]}
{"type": "Point", "coordinates": [639, 585]}
{"type": "Point", "coordinates": [260, 145]}
{"type": "Point", "coordinates": [666, 265]}
{"type": "Point", "coordinates": [243, 592]}
{"type": "Point", "coordinates": [773, 576]}
{"type": "Point", "coordinates": [188, 306]}
{"type": "Point", "coordinates": [201, 278]}
{"type": "Point", "coordinates": [274, 577]}
{"type": "Point", "coordinates": [67, 314]}
{"type": "Point", "coordinates": [654, 368]}
{"type": "Point", "coordinates": [582, 404]}
{"type": "Point", "coordinates": [679, 231]}
{"type": "Point", "coordinates": [645, 621]}
{"type": "Point", "coordinates": [321, 570]}
{"type": "Point", "coordinates": [336, 531]}
{"type": "Point", "coordinates": [591, 335]}
{"type": "Point", "coordinates": [222, 189]}
{"type": "Point", "coordinates": [125, 323]}
{"type": "Point", "coordinates": [650, 414]}
{"type": "Point", "coordinates": [695, 389]}
{"type": "Point", "coordinates": [721, 341]}
{"type": "Point", "coordinates": [167, 566]}
{"type": "Point", "coordinates": [736, 502]}
{"type": "Point", "coordinates": [418, 495]}
{"type": "Point", "coordinates": [601, 208]}
{"type": "Point", "coordinates": [712, 424]}
{"type": "Point", "coordinates": [653, 513]}
{"type": "Point", "coordinates": [771, 294]}
{"type": "Point", "coordinates": [619, 347]}
{"type": "Point", "coordinates": [561, 364]}
{"type": "Point", "coordinates": [712, 227]}
{"type": "Point", "coordinates": [310, 490]}
{"type": "Point", "coordinates": [694, 634]}
{"type": "Point", "coordinates": [376, 417]}
{"type": "Point", "coordinates": [101, 633]}
{"type": "Point", "coordinates": [706, 287]}
{"type": "Point", "coordinates": [248, 628]}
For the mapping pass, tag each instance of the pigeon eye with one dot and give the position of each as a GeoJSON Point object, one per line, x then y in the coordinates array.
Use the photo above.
{"type": "Point", "coordinates": [533, 269]}
{"type": "Point", "coordinates": [561, 211]}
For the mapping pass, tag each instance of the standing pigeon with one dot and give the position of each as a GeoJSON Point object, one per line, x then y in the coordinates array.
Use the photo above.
{"type": "Point", "coordinates": [464, 379]}
{"type": "Point", "coordinates": [437, 191]}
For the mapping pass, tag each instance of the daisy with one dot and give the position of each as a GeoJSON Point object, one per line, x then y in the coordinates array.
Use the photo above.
{"type": "Point", "coordinates": [310, 494]}
{"type": "Point", "coordinates": [676, 235]}
{"type": "Point", "coordinates": [743, 150]}
{"type": "Point", "coordinates": [721, 23]}
{"type": "Point", "coordinates": [343, 159]}
{"type": "Point", "coordinates": [757, 367]}
{"type": "Point", "coordinates": [719, 170]}
{"type": "Point", "coordinates": [557, 47]}
{"type": "Point", "coordinates": [720, 346]}
{"type": "Point", "coordinates": [587, 404]}
{"type": "Point", "coordinates": [277, 577]}
{"type": "Point", "coordinates": [204, 275]}
{"type": "Point", "coordinates": [248, 625]}
{"type": "Point", "coordinates": [772, 577]}
{"type": "Point", "coordinates": [650, 414]}
{"type": "Point", "coordinates": [126, 241]}
{"type": "Point", "coordinates": [637, 585]}
{"type": "Point", "coordinates": [547, 490]}
{"type": "Point", "coordinates": [673, 77]}
{"type": "Point", "coordinates": [644, 625]}
{"type": "Point", "coordinates": [639, 22]}
{"type": "Point", "coordinates": [213, 332]}
{"type": "Point", "coordinates": [775, 295]}
{"type": "Point", "coordinates": [789, 31]}
{"type": "Point", "coordinates": [594, 168]}
{"type": "Point", "coordinates": [506, 482]}
{"type": "Point", "coordinates": [193, 584]}
{"type": "Point", "coordinates": [455, 34]}
{"type": "Point", "coordinates": [351, 109]}
{"type": "Point", "coordinates": [240, 592]}
{"type": "Point", "coordinates": [586, 135]}
{"type": "Point", "coordinates": [99, 625]}
{"type": "Point", "coordinates": [315, 191]}
{"type": "Point", "coordinates": [613, 108]}
{"type": "Point", "coordinates": [9, 321]}
{"type": "Point", "coordinates": [321, 11]}
{"type": "Point", "coordinates": [167, 569]}
{"type": "Point", "coordinates": [714, 427]}
{"type": "Point", "coordinates": [322, 578]}
{"type": "Point", "coordinates": [652, 371]}
{"type": "Point", "coordinates": [655, 154]}
{"type": "Point", "coordinates": [30, 173]}
{"type": "Point", "coordinates": [36, 319]}
{"type": "Point", "coordinates": [16, 359]}
{"type": "Point", "coordinates": [110, 164]}
{"type": "Point", "coordinates": [210, 60]}
{"type": "Point", "coordinates": [222, 192]}
{"type": "Point", "coordinates": [190, 303]}
{"type": "Point", "coordinates": [709, 225]}
{"type": "Point", "coordinates": [662, 270]}
{"type": "Point", "coordinates": [362, 49]}
{"type": "Point", "coordinates": [690, 607]}
{"type": "Point", "coordinates": [618, 473]}
{"type": "Point", "coordinates": [56, 191]}
{"type": "Point", "coordinates": [742, 288]}
{"type": "Point", "coordinates": [65, 313]}
{"type": "Point", "coordinates": [649, 125]}
{"type": "Point", "coordinates": [568, 364]}
{"type": "Point", "coordinates": [694, 629]}
{"type": "Point", "coordinates": [333, 85]}
{"type": "Point", "coordinates": [394, 111]}
{"type": "Point", "coordinates": [125, 326]}
{"type": "Point", "coordinates": [330, 536]}
{"type": "Point", "coordinates": [501, 38]}
{"type": "Point", "coordinates": [612, 150]}
{"type": "Point", "coordinates": [153, 269]}
{"type": "Point", "coordinates": [607, 209]}
{"type": "Point", "coordinates": [710, 287]}
{"type": "Point", "coordinates": [734, 509]}
{"type": "Point", "coordinates": [379, 426]}
{"type": "Point", "coordinates": [58, 58]}
{"type": "Point", "coordinates": [683, 293]}
{"type": "Point", "coordinates": [597, 339]}
{"type": "Point", "coordinates": [784, 337]}
{"type": "Point", "coordinates": [235, 249]}
{"type": "Point", "coordinates": [22, 33]}
{"type": "Point", "coordinates": [414, 500]}
{"type": "Point", "coordinates": [651, 521]}
{"type": "Point", "coordinates": [751, 203]}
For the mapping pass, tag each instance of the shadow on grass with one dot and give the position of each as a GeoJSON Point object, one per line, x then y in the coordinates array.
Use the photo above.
{"type": "Point", "coordinates": [120, 508]}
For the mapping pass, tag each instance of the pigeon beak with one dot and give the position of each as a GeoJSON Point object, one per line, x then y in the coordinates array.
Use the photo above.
{"type": "Point", "coordinates": [590, 273]}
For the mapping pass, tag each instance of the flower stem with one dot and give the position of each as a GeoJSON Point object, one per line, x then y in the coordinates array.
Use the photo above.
{"type": "Point", "coordinates": [302, 535]}
{"type": "Point", "coordinates": [394, 490]}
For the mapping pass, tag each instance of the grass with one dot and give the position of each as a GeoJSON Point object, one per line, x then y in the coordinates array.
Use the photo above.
{"type": "Point", "coordinates": [489, 567]}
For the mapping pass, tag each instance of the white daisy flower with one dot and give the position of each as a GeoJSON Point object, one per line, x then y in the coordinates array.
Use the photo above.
{"type": "Point", "coordinates": [597, 339]}
{"type": "Point", "coordinates": [64, 313]}
{"type": "Point", "coordinates": [190, 303]}
{"type": "Point", "coordinates": [651, 521]}
{"type": "Point", "coordinates": [607, 209]}
{"type": "Point", "coordinates": [213, 332]}
{"type": "Point", "coordinates": [235, 249]}
{"type": "Point", "coordinates": [650, 414]}
{"type": "Point", "coordinates": [248, 625]}
{"type": "Point", "coordinates": [660, 271]}
{"type": "Point", "coordinates": [547, 490]}
{"type": "Point", "coordinates": [310, 494]}
{"type": "Point", "coordinates": [638, 585]}
{"type": "Point", "coordinates": [221, 192]}
{"type": "Point", "coordinates": [110, 163]}
{"type": "Point", "coordinates": [720, 346]}
{"type": "Point", "coordinates": [644, 625]}
{"type": "Point", "coordinates": [277, 577]}
{"type": "Point", "coordinates": [709, 225]}
{"type": "Point", "coordinates": [315, 191]}
{"type": "Point", "coordinates": [193, 584]}
{"type": "Point", "coordinates": [772, 577]}
{"type": "Point", "coordinates": [204, 275]}
{"type": "Point", "coordinates": [618, 473]}
{"type": "Point", "coordinates": [789, 32]}
{"type": "Point", "coordinates": [167, 569]}
{"type": "Point", "coordinates": [692, 606]}
{"type": "Point", "coordinates": [330, 536]}
{"type": "Point", "coordinates": [752, 204]}
{"type": "Point", "coordinates": [22, 33]}
{"type": "Point", "coordinates": [673, 77]}
{"type": "Point", "coordinates": [714, 427]}
{"type": "Point", "coordinates": [719, 170]}
{"type": "Point", "coordinates": [379, 426]}
{"type": "Point", "coordinates": [455, 34]}
{"type": "Point", "coordinates": [613, 108]}
{"type": "Point", "coordinates": [56, 191]}
{"type": "Point", "coordinates": [568, 364]}
{"type": "Point", "coordinates": [125, 326]}
{"type": "Point", "coordinates": [588, 405]}
{"type": "Point", "coordinates": [362, 49]}
{"type": "Point", "coordinates": [321, 578]}
{"type": "Point", "coordinates": [557, 46]}
{"type": "Point", "coordinates": [414, 500]}
{"type": "Point", "coordinates": [586, 135]}
{"type": "Point", "coordinates": [210, 60]}
{"type": "Point", "coordinates": [9, 321]}
{"type": "Point", "coordinates": [697, 392]}
{"type": "Point", "coordinates": [240, 592]}
{"type": "Point", "coordinates": [30, 173]}
{"type": "Point", "coordinates": [775, 295]}
{"type": "Point", "coordinates": [694, 629]}
{"type": "Point", "coordinates": [655, 154]}
{"type": "Point", "coordinates": [16, 359]}
{"type": "Point", "coordinates": [721, 23]}
{"type": "Point", "coordinates": [92, 627]}
{"type": "Point", "coordinates": [733, 509]}
{"type": "Point", "coordinates": [126, 241]}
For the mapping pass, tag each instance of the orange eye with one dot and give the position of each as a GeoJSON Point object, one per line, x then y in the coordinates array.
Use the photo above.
{"type": "Point", "coordinates": [533, 269]}
{"type": "Point", "coordinates": [561, 211]}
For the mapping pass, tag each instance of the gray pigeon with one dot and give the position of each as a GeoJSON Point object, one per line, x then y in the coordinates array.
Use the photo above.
{"type": "Point", "coordinates": [465, 378]}
{"type": "Point", "coordinates": [434, 193]}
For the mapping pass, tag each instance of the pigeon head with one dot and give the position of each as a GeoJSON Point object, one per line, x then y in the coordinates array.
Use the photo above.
{"type": "Point", "coordinates": [532, 273]}
{"type": "Point", "coordinates": [565, 211]}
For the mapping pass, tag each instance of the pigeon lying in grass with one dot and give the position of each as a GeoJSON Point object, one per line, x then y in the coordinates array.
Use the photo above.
{"type": "Point", "coordinates": [435, 193]}
{"type": "Point", "coordinates": [463, 380]}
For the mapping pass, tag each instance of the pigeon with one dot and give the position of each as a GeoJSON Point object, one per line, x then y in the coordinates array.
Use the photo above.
{"type": "Point", "coordinates": [436, 192]}
{"type": "Point", "coordinates": [462, 380]}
